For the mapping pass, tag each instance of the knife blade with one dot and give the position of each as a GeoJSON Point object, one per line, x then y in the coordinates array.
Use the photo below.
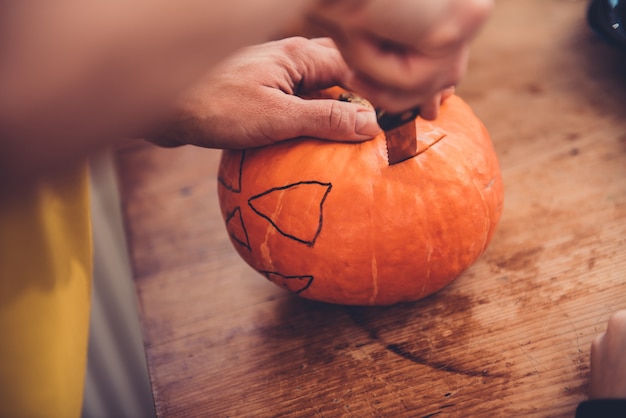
{"type": "Point", "coordinates": [400, 129]}
{"type": "Point", "coordinates": [400, 134]}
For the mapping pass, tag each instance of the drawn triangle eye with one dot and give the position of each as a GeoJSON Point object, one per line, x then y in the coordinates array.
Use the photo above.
{"type": "Point", "coordinates": [236, 228]}
{"type": "Point", "coordinates": [295, 210]}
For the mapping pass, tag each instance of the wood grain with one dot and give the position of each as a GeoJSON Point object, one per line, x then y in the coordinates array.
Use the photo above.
{"type": "Point", "coordinates": [510, 337]}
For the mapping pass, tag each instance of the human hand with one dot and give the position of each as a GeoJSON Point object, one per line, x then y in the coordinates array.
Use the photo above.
{"type": "Point", "coordinates": [608, 360]}
{"type": "Point", "coordinates": [403, 53]}
{"type": "Point", "coordinates": [251, 100]}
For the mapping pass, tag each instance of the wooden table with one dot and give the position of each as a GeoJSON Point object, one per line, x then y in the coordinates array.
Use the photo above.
{"type": "Point", "coordinates": [510, 337]}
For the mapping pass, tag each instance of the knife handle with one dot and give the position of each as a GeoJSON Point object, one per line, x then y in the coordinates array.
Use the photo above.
{"type": "Point", "coordinates": [389, 121]}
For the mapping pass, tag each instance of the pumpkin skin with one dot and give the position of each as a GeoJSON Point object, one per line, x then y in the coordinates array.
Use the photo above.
{"type": "Point", "coordinates": [334, 222]}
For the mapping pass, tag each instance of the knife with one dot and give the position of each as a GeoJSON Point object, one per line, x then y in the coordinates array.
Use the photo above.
{"type": "Point", "coordinates": [400, 133]}
{"type": "Point", "coordinates": [400, 129]}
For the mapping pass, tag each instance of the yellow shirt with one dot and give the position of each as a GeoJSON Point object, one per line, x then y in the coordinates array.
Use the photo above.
{"type": "Point", "coordinates": [45, 285]}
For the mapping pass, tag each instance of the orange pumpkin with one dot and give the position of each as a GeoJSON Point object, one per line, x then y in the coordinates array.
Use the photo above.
{"type": "Point", "coordinates": [334, 222]}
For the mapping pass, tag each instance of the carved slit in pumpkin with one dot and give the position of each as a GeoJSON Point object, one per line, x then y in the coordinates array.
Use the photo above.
{"type": "Point", "coordinates": [429, 145]}
{"type": "Point", "coordinates": [401, 147]}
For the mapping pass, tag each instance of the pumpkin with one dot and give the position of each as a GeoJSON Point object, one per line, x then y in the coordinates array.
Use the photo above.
{"type": "Point", "coordinates": [335, 222]}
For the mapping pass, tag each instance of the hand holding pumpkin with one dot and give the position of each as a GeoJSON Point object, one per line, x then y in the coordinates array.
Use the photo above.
{"type": "Point", "coordinates": [405, 53]}
{"type": "Point", "coordinates": [608, 360]}
{"type": "Point", "coordinates": [251, 100]}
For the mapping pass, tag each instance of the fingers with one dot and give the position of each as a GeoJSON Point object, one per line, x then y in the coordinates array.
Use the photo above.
{"type": "Point", "coordinates": [430, 109]}
{"type": "Point", "coordinates": [596, 363]}
{"type": "Point", "coordinates": [617, 323]}
{"type": "Point", "coordinates": [445, 93]}
{"type": "Point", "coordinates": [327, 42]}
{"type": "Point", "coordinates": [321, 65]}
{"type": "Point", "coordinates": [330, 120]}
{"type": "Point", "coordinates": [394, 99]}
{"type": "Point", "coordinates": [608, 360]}
{"type": "Point", "coordinates": [401, 67]}
{"type": "Point", "coordinates": [336, 120]}
{"type": "Point", "coordinates": [318, 62]}
{"type": "Point", "coordinates": [403, 56]}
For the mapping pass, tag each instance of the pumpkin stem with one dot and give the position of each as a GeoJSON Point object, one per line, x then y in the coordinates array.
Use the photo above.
{"type": "Point", "coordinates": [353, 98]}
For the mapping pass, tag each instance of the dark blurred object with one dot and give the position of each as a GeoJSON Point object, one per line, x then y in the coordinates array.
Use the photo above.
{"type": "Point", "coordinates": [607, 18]}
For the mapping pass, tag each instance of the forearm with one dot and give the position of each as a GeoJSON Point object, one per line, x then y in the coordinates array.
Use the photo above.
{"type": "Point", "coordinates": [75, 75]}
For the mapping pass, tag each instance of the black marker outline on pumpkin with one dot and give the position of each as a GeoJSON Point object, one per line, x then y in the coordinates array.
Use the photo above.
{"type": "Point", "coordinates": [311, 242]}
{"type": "Point", "coordinates": [229, 187]}
{"type": "Point", "coordinates": [308, 277]}
{"type": "Point", "coordinates": [231, 215]}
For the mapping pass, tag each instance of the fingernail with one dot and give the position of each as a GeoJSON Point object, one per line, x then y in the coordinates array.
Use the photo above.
{"type": "Point", "coordinates": [366, 123]}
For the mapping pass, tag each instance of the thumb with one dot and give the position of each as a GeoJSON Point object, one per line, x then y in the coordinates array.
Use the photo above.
{"type": "Point", "coordinates": [335, 120]}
